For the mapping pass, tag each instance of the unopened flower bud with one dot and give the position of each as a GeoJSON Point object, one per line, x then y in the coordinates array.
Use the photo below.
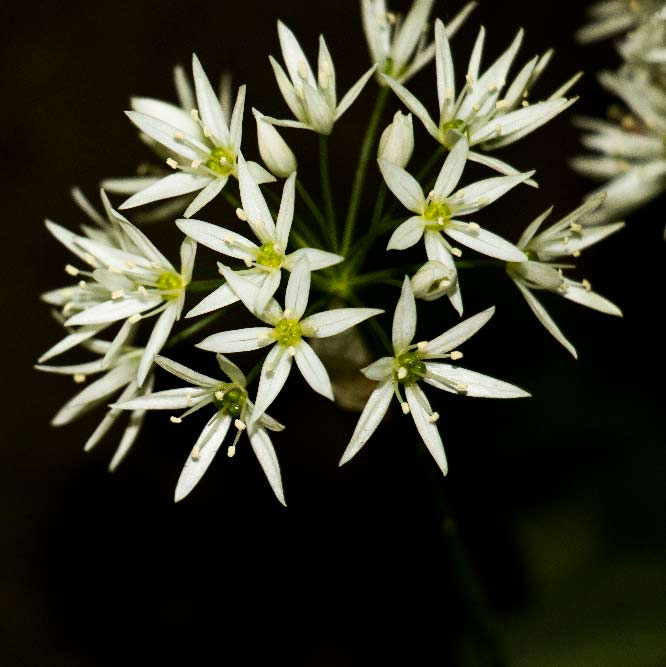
{"type": "Point", "coordinates": [433, 280]}
{"type": "Point", "coordinates": [397, 141]}
{"type": "Point", "coordinates": [275, 153]}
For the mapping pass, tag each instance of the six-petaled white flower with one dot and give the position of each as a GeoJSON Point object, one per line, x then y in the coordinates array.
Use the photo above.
{"type": "Point", "coordinates": [313, 101]}
{"type": "Point", "coordinates": [286, 333]}
{"type": "Point", "coordinates": [478, 112]}
{"type": "Point", "coordinates": [266, 260]}
{"type": "Point", "coordinates": [422, 362]}
{"type": "Point", "coordinates": [202, 148]}
{"type": "Point", "coordinates": [232, 406]}
{"type": "Point", "coordinates": [566, 238]}
{"type": "Point", "coordinates": [436, 214]}
{"type": "Point", "coordinates": [612, 17]}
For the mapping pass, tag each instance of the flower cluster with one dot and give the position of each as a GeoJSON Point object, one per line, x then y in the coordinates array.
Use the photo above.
{"type": "Point", "coordinates": [292, 279]}
{"type": "Point", "coordinates": [630, 156]}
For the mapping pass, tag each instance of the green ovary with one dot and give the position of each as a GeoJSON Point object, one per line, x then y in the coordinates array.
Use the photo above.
{"type": "Point", "coordinates": [232, 402]}
{"type": "Point", "coordinates": [169, 282]}
{"type": "Point", "coordinates": [222, 161]}
{"type": "Point", "coordinates": [457, 125]}
{"type": "Point", "coordinates": [269, 256]}
{"type": "Point", "coordinates": [414, 368]}
{"type": "Point", "coordinates": [436, 211]}
{"type": "Point", "coordinates": [287, 332]}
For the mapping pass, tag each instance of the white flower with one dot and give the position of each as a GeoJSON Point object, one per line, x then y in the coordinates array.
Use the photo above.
{"type": "Point", "coordinates": [202, 148]}
{"type": "Point", "coordinates": [397, 45]}
{"type": "Point", "coordinates": [567, 237]}
{"type": "Point", "coordinates": [286, 333]}
{"type": "Point", "coordinates": [130, 281]}
{"type": "Point", "coordinates": [478, 112]}
{"type": "Point", "coordinates": [433, 280]}
{"type": "Point", "coordinates": [232, 406]}
{"type": "Point", "coordinates": [274, 151]}
{"type": "Point", "coordinates": [268, 259]}
{"type": "Point", "coordinates": [611, 17]}
{"type": "Point", "coordinates": [312, 101]}
{"type": "Point", "coordinates": [631, 152]}
{"type": "Point", "coordinates": [644, 46]}
{"type": "Point", "coordinates": [119, 377]}
{"type": "Point", "coordinates": [396, 144]}
{"type": "Point", "coordinates": [436, 214]}
{"type": "Point", "coordinates": [412, 364]}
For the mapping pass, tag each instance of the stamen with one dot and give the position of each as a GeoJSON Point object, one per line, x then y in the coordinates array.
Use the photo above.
{"type": "Point", "coordinates": [240, 425]}
{"type": "Point", "coordinates": [422, 345]}
{"type": "Point", "coordinates": [456, 354]}
{"type": "Point", "coordinates": [303, 69]}
{"type": "Point", "coordinates": [135, 318]}
{"type": "Point", "coordinates": [292, 351]}
{"type": "Point", "coordinates": [287, 314]}
{"type": "Point", "coordinates": [576, 227]}
{"type": "Point", "coordinates": [196, 453]}
{"type": "Point", "coordinates": [524, 103]}
{"type": "Point", "coordinates": [71, 270]}
{"type": "Point", "coordinates": [219, 395]}
{"type": "Point", "coordinates": [241, 214]}
{"type": "Point", "coordinates": [433, 417]}
{"type": "Point", "coordinates": [456, 252]}
{"type": "Point", "coordinates": [117, 294]}
{"type": "Point", "coordinates": [82, 284]}
{"type": "Point", "coordinates": [79, 378]}
{"type": "Point", "coordinates": [576, 253]}
{"type": "Point", "coordinates": [196, 164]}
{"type": "Point", "coordinates": [461, 387]}
{"type": "Point", "coordinates": [402, 373]}
{"type": "Point", "coordinates": [586, 284]}
{"type": "Point", "coordinates": [142, 290]}
{"type": "Point", "coordinates": [175, 420]}
{"type": "Point", "coordinates": [172, 163]}
{"type": "Point", "coordinates": [473, 226]}
{"type": "Point", "coordinates": [405, 408]}
{"type": "Point", "coordinates": [114, 269]}
{"type": "Point", "coordinates": [231, 450]}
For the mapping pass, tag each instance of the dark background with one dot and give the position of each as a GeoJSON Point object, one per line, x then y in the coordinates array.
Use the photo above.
{"type": "Point", "coordinates": [558, 501]}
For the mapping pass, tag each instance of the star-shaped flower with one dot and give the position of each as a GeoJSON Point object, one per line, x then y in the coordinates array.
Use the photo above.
{"type": "Point", "coordinates": [412, 364]}
{"type": "Point", "coordinates": [398, 45]}
{"type": "Point", "coordinates": [232, 406]}
{"type": "Point", "coordinates": [286, 334]}
{"type": "Point", "coordinates": [201, 147]}
{"type": "Point", "coordinates": [478, 112]}
{"type": "Point", "coordinates": [436, 214]}
{"type": "Point", "coordinates": [268, 259]}
{"type": "Point", "coordinates": [567, 237]}
{"type": "Point", "coordinates": [312, 101]}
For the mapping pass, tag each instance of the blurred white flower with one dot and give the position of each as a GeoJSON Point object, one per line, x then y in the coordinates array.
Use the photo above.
{"type": "Point", "coordinates": [396, 144]}
{"type": "Point", "coordinates": [421, 362]}
{"type": "Point", "coordinates": [612, 17]}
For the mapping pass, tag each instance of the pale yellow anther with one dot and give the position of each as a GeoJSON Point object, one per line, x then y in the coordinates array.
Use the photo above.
{"type": "Point", "coordinates": [195, 114]}
{"type": "Point", "coordinates": [421, 346]}
{"type": "Point", "coordinates": [456, 252]}
{"type": "Point", "coordinates": [196, 164]}
{"type": "Point", "coordinates": [206, 131]}
{"type": "Point", "coordinates": [501, 104]}
{"type": "Point", "coordinates": [303, 69]}
{"type": "Point", "coordinates": [117, 294]}
{"type": "Point", "coordinates": [128, 264]}
{"type": "Point", "coordinates": [79, 378]}
{"type": "Point", "coordinates": [88, 258]}
{"type": "Point", "coordinates": [405, 408]}
{"type": "Point", "coordinates": [114, 269]}
{"type": "Point", "coordinates": [155, 266]}
{"type": "Point", "coordinates": [68, 307]}
{"type": "Point", "coordinates": [498, 129]}
{"type": "Point", "coordinates": [229, 239]}
{"type": "Point", "coordinates": [241, 214]}
{"type": "Point", "coordinates": [71, 270]}
{"type": "Point", "coordinates": [456, 354]}
{"type": "Point", "coordinates": [575, 253]}
{"type": "Point", "coordinates": [469, 78]}
{"type": "Point", "coordinates": [524, 104]}
{"type": "Point", "coordinates": [142, 290]}
{"type": "Point", "coordinates": [476, 108]}
{"type": "Point", "coordinates": [240, 424]}
{"type": "Point", "coordinates": [462, 387]}
{"type": "Point", "coordinates": [576, 227]}
{"type": "Point", "coordinates": [402, 373]}
{"type": "Point", "coordinates": [444, 283]}
{"type": "Point", "coordinates": [473, 226]}
{"type": "Point", "coordinates": [172, 163]}
{"type": "Point", "coordinates": [219, 395]}
{"type": "Point", "coordinates": [566, 240]}
{"type": "Point", "coordinates": [188, 398]}
{"type": "Point", "coordinates": [586, 284]}
{"type": "Point", "coordinates": [492, 87]}
{"type": "Point", "coordinates": [433, 417]}
{"type": "Point", "coordinates": [431, 194]}
{"type": "Point", "coordinates": [82, 284]}
{"type": "Point", "coordinates": [175, 420]}
{"type": "Point", "coordinates": [298, 89]}
{"type": "Point", "coordinates": [392, 18]}
{"type": "Point", "coordinates": [179, 136]}
{"type": "Point", "coordinates": [247, 262]}
{"type": "Point", "coordinates": [196, 453]}
{"type": "Point", "coordinates": [231, 450]}
{"type": "Point", "coordinates": [135, 318]}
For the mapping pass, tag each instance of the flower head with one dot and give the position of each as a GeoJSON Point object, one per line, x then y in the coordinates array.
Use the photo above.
{"type": "Point", "coordinates": [412, 364]}
{"type": "Point", "coordinates": [232, 407]}
{"type": "Point", "coordinates": [312, 101]}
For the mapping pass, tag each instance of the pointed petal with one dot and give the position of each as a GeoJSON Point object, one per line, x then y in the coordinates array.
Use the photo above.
{"type": "Point", "coordinates": [158, 338]}
{"type": "Point", "coordinates": [403, 185]}
{"type": "Point", "coordinates": [223, 296]}
{"type": "Point", "coordinates": [413, 104]}
{"type": "Point", "coordinates": [313, 370]}
{"type": "Point", "coordinates": [452, 170]}
{"type": "Point", "coordinates": [482, 193]}
{"type": "Point", "coordinates": [209, 105]}
{"type": "Point", "coordinates": [316, 259]}
{"type": "Point", "coordinates": [254, 205]}
{"type": "Point", "coordinates": [353, 93]}
{"type": "Point", "coordinates": [238, 340]}
{"type": "Point", "coordinates": [230, 369]}
{"type": "Point", "coordinates": [265, 453]}
{"type": "Point", "coordinates": [426, 428]}
{"type": "Point", "coordinates": [206, 196]}
{"type": "Point", "coordinates": [404, 319]}
{"type": "Point", "coordinates": [456, 336]}
{"type": "Point", "coordinates": [585, 297]}
{"type": "Point", "coordinates": [331, 322]}
{"type": "Point", "coordinates": [169, 399]}
{"type": "Point", "coordinates": [487, 243]}
{"type": "Point", "coordinates": [298, 290]}
{"type": "Point", "coordinates": [497, 165]}
{"type": "Point", "coordinates": [379, 370]}
{"type": "Point", "coordinates": [286, 212]}
{"type": "Point", "coordinates": [218, 238]}
{"type": "Point", "coordinates": [438, 252]}
{"type": "Point", "coordinates": [294, 58]}
{"type": "Point", "coordinates": [113, 311]}
{"type": "Point", "coordinates": [185, 373]}
{"type": "Point", "coordinates": [274, 374]}
{"type": "Point", "coordinates": [446, 85]}
{"type": "Point", "coordinates": [172, 185]}
{"type": "Point", "coordinates": [236, 129]}
{"type": "Point", "coordinates": [409, 233]}
{"type": "Point", "coordinates": [477, 384]}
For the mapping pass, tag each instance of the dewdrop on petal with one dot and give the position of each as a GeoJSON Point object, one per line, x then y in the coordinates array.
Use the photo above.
{"type": "Point", "coordinates": [275, 152]}
{"type": "Point", "coordinates": [396, 144]}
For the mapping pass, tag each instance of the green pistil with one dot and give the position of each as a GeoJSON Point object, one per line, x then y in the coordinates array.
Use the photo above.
{"type": "Point", "coordinates": [288, 332]}
{"type": "Point", "coordinates": [232, 402]}
{"type": "Point", "coordinates": [269, 256]}
{"type": "Point", "coordinates": [409, 368]}
{"type": "Point", "coordinates": [437, 211]}
{"type": "Point", "coordinates": [169, 282]}
{"type": "Point", "coordinates": [222, 161]}
{"type": "Point", "coordinates": [457, 125]}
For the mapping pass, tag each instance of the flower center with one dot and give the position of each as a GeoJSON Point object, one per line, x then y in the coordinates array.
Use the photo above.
{"type": "Point", "coordinates": [269, 256]}
{"type": "Point", "coordinates": [222, 161]}
{"type": "Point", "coordinates": [438, 212]}
{"type": "Point", "coordinates": [232, 402]}
{"type": "Point", "coordinates": [456, 125]}
{"type": "Point", "coordinates": [409, 368]}
{"type": "Point", "coordinates": [288, 332]}
{"type": "Point", "coordinates": [171, 283]}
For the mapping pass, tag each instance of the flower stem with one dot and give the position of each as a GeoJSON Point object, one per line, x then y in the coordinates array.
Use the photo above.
{"type": "Point", "coordinates": [314, 209]}
{"type": "Point", "coordinates": [205, 285]}
{"type": "Point", "coordinates": [193, 329]}
{"type": "Point", "coordinates": [361, 167]}
{"type": "Point", "coordinates": [324, 173]}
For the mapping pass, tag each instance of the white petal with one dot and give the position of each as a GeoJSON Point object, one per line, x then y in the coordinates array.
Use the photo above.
{"type": "Point", "coordinates": [259, 174]}
{"type": "Point", "coordinates": [316, 259]}
{"type": "Point", "coordinates": [238, 340]}
{"type": "Point", "coordinates": [438, 252]}
{"type": "Point", "coordinates": [407, 234]}
{"type": "Point", "coordinates": [298, 290]}
{"type": "Point", "coordinates": [254, 205]}
{"type": "Point", "coordinates": [379, 370]}
{"type": "Point", "coordinates": [206, 196]}
{"type": "Point", "coordinates": [130, 435]}
{"type": "Point", "coordinates": [353, 93]}
{"type": "Point", "coordinates": [202, 455]}
{"type": "Point", "coordinates": [246, 290]}
{"type": "Point", "coordinates": [326, 74]}
{"type": "Point", "coordinates": [144, 245]}
{"type": "Point", "coordinates": [320, 114]}
{"type": "Point", "coordinates": [456, 336]}
{"type": "Point", "coordinates": [72, 340]}
{"type": "Point", "coordinates": [265, 453]}
{"type": "Point", "coordinates": [532, 229]}
{"type": "Point", "coordinates": [411, 29]}
{"type": "Point", "coordinates": [230, 369]}
{"type": "Point", "coordinates": [110, 418]}
{"type": "Point", "coordinates": [446, 86]}
{"type": "Point", "coordinates": [312, 370]}
{"type": "Point", "coordinates": [331, 322]}
{"type": "Point", "coordinates": [274, 374]}
{"type": "Point", "coordinates": [170, 399]}
{"type": "Point", "coordinates": [403, 185]}
{"type": "Point", "coordinates": [185, 373]}
{"type": "Point", "coordinates": [286, 212]}
{"type": "Point", "coordinates": [370, 418]}
{"type": "Point", "coordinates": [128, 186]}
{"type": "Point", "coordinates": [223, 296]}
{"type": "Point", "coordinates": [210, 110]}
{"type": "Point", "coordinates": [112, 311]}
{"type": "Point", "coordinates": [164, 134]}
{"type": "Point", "coordinates": [585, 297]}
{"type": "Point", "coordinates": [477, 384]}
{"type": "Point", "coordinates": [478, 195]}
{"type": "Point", "coordinates": [412, 103]}
{"type": "Point", "coordinates": [294, 57]}
{"type": "Point", "coordinates": [267, 289]}
{"type": "Point", "coordinates": [487, 243]}
{"type": "Point", "coordinates": [287, 90]}
{"type": "Point", "coordinates": [427, 429]}
{"type": "Point", "coordinates": [452, 170]}
{"type": "Point", "coordinates": [236, 129]}
{"type": "Point", "coordinates": [158, 338]}
{"type": "Point", "coordinates": [404, 319]}
{"type": "Point", "coordinates": [218, 238]}
{"type": "Point", "coordinates": [169, 113]}
{"type": "Point", "coordinates": [498, 165]}
{"type": "Point", "coordinates": [169, 186]}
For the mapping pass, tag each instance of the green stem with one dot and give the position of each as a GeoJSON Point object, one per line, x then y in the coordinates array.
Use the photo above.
{"type": "Point", "coordinates": [193, 329]}
{"type": "Point", "coordinates": [361, 168]}
{"type": "Point", "coordinates": [324, 173]}
{"type": "Point", "coordinates": [205, 285]}
{"type": "Point", "coordinates": [314, 209]}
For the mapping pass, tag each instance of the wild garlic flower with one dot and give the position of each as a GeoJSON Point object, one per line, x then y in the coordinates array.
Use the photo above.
{"type": "Point", "coordinates": [433, 280]}
{"type": "Point", "coordinates": [646, 45]}
{"type": "Point", "coordinates": [129, 282]}
{"type": "Point", "coordinates": [398, 45]}
{"type": "Point", "coordinates": [232, 406]}
{"type": "Point", "coordinates": [274, 150]}
{"type": "Point", "coordinates": [266, 261]}
{"type": "Point", "coordinates": [632, 152]}
{"type": "Point", "coordinates": [286, 333]}
{"type": "Point", "coordinates": [566, 238]}
{"type": "Point", "coordinates": [312, 101]}
{"type": "Point", "coordinates": [612, 17]}
{"type": "Point", "coordinates": [422, 362]}
{"type": "Point", "coordinates": [396, 144]}
{"type": "Point", "coordinates": [202, 148]}
{"type": "Point", "coordinates": [436, 214]}
{"type": "Point", "coordinates": [118, 377]}
{"type": "Point", "coordinates": [478, 112]}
